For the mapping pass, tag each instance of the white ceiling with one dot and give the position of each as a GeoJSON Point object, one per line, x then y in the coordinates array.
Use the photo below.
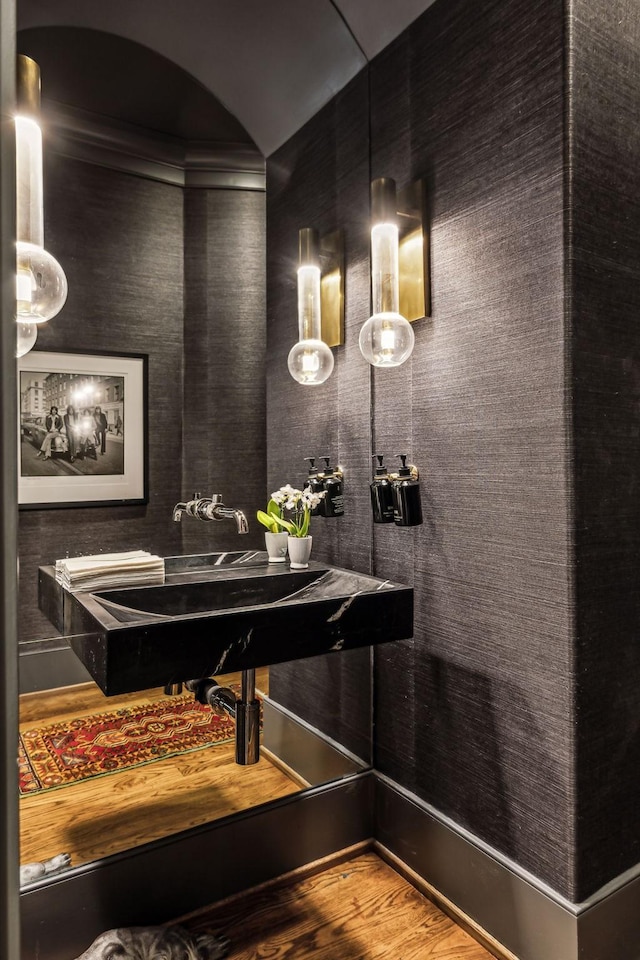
{"type": "Point", "coordinates": [272, 63]}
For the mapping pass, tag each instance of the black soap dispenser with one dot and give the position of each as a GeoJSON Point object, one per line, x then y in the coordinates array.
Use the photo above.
{"type": "Point", "coordinates": [407, 505]}
{"type": "Point", "coordinates": [381, 493]}
{"type": "Point", "coordinates": [332, 504]}
{"type": "Point", "coordinates": [314, 481]}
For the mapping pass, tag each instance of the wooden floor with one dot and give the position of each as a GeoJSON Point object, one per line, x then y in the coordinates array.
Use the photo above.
{"type": "Point", "coordinates": [360, 909]}
{"type": "Point", "coordinates": [106, 815]}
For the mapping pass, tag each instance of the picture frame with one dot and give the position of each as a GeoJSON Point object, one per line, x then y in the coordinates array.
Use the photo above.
{"type": "Point", "coordinates": [93, 450]}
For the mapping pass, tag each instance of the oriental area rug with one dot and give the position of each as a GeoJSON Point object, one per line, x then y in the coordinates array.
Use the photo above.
{"type": "Point", "coordinates": [61, 754]}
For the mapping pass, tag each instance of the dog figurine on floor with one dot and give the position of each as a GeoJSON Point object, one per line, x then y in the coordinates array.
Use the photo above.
{"type": "Point", "coordinates": [156, 943]}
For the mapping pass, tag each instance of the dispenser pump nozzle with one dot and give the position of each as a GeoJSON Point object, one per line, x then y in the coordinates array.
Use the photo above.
{"type": "Point", "coordinates": [404, 470]}
{"type": "Point", "coordinates": [380, 469]}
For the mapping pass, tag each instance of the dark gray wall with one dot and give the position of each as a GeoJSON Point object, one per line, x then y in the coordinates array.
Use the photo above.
{"type": "Point", "coordinates": [123, 245]}
{"type": "Point", "coordinates": [321, 179]}
{"type": "Point", "coordinates": [471, 97]}
{"type": "Point", "coordinates": [605, 340]}
{"type": "Point", "coordinates": [475, 714]}
{"type": "Point", "coordinates": [224, 349]}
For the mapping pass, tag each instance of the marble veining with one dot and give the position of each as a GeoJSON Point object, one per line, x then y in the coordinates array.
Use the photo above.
{"type": "Point", "coordinates": [214, 614]}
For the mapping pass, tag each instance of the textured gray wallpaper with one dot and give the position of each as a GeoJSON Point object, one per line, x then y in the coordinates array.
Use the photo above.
{"type": "Point", "coordinates": [605, 337]}
{"type": "Point", "coordinates": [475, 714]}
{"type": "Point", "coordinates": [320, 179]}
{"type": "Point", "coordinates": [224, 349]}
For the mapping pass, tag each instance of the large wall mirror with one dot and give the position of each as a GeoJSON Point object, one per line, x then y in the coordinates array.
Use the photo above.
{"type": "Point", "coordinates": [155, 206]}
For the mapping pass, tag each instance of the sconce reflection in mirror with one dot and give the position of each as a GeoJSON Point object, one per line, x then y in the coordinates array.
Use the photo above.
{"type": "Point", "coordinates": [41, 286]}
{"type": "Point", "coordinates": [399, 272]}
{"type": "Point", "coordinates": [320, 306]}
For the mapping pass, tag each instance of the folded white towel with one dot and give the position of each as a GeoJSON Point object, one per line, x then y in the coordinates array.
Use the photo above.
{"type": "Point", "coordinates": [109, 569]}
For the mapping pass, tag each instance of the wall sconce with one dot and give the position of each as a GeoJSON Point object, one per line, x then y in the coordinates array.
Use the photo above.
{"type": "Point", "coordinates": [320, 307]}
{"type": "Point", "coordinates": [41, 286]}
{"type": "Point", "coordinates": [399, 273]}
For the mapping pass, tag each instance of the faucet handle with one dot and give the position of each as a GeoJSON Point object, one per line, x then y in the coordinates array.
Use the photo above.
{"type": "Point", "coordinates": [216, 498]}
{"type": "Point", "coordinates": [197, 496]}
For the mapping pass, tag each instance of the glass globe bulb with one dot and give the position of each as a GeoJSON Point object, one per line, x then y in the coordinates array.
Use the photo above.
{"type": "Point", "coordinates": [386, 339]}
{"type": "Point", "coordinates": [26, 336]}
{"type": "Point", "coordinates": [41, 286]}
{"type": "Point", "coordinates": [310, 362]}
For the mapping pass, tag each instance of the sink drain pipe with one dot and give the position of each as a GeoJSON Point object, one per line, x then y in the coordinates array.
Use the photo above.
{"type": "Point", "coordinates": [245, 711]}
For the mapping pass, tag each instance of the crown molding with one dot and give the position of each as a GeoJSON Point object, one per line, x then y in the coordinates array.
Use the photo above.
{"type": "Point", "coordinates": [81, 135]}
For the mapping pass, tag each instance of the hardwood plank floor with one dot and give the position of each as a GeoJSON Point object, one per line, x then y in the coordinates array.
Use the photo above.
{"type": "Point", "coordinates": [99, 817]}
{"type": "Point", "coordinates": [360, 909]}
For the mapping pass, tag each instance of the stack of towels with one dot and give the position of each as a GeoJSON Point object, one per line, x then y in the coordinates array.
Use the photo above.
{"type": "Point", "coordinates": [109, 570]}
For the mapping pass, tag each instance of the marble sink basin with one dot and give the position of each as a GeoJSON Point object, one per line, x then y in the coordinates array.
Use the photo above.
{"type": "Point", "coordinates": [220, 613]}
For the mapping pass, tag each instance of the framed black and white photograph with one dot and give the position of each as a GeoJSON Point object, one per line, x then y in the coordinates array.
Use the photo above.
{"type": "Point", "coordinates": [82, 429]}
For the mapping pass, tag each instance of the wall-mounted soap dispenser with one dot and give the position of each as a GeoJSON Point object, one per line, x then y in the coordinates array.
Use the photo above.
{"type": "Point", "coordinates": [407, 504]}
{"type": "Point", "coordinates": [381, 493]}
{"type": "Point", "coordinates": [332, 478]}
{"type": "Point", "coordinates": [314, 482]}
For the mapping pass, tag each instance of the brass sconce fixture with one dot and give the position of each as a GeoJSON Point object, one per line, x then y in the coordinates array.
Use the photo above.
{"type": "Point", "coordinates": [41, 286]}
{"type": "Point", "coordinates": [399, 272]}
{"type": "Point", "coordinates": [320, 306]}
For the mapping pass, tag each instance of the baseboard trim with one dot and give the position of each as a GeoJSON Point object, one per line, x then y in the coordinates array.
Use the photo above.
{"type": "Point", "coordinates": [507, 909]}
{"type": "Point", "coordinates": [49, 664]}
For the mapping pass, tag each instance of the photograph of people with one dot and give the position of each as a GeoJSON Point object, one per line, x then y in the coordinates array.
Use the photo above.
{"type": "Point", "coordinates": [86, 434]}
{"type": "Point", "coordinates": [53, 424]}
{"type": "Point", "coordinates": [101, 429]}
{"type": "Point", "coordinates": [71, 429]}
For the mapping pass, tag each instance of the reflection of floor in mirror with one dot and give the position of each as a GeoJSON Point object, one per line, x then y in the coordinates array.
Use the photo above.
{"type": "Point", "coordinates": [95, 818]}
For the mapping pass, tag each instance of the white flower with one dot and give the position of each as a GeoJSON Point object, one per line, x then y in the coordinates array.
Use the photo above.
{"type": "Point", "coordinates": [284, 494]}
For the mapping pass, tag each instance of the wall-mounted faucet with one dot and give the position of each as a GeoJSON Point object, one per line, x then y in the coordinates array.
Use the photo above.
{"type": "Point", "coordinates": [210, 508]}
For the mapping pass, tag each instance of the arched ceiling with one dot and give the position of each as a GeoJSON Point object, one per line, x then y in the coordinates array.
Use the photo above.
{"type": "Point", "coordinates": [271, 64]}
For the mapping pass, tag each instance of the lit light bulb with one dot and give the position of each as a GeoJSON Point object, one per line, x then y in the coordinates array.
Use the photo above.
{"type": "Point", "coordinates": [26, 336]}
{"type": "Point", "coordinates": [310, 360]}
{"type": "Point", "coordinates": [41, 286]}
{"type": "Point", "coordinates": [387, 338]}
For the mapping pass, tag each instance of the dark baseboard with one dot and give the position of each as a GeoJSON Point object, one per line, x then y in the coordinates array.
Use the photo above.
{"type": "Point", "coordinates": [502, 901]}
{"type": "Point", "coordinates": [49, 664]}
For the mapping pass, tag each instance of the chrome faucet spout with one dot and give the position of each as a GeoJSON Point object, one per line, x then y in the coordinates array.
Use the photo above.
{"type": "Point", "coordinates": [178, 510]}
{"type": "Point", "coordinates": [211, 508]}
{"type": "Point", "coordinates": [229, 513]}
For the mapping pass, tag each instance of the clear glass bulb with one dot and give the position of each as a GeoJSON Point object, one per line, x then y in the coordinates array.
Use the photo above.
{"type": "Point", "coordinates": [26, 336]}
{"type": "Point", "coordinates": [310, 362]}
{"type": "Point", "coordinates": [386, 340]}
{"type": "Point", "coordinates": [41, 286]}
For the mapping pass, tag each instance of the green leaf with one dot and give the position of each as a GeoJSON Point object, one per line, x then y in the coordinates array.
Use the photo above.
{"type": "Point", "coordinates": [306, 522]}
{"type": "Point", "coordinates": [288, 525]}
{"type": "Point", "coordinates": [274, 508]}
{"type": "Point", "coordinates": [267, 520]}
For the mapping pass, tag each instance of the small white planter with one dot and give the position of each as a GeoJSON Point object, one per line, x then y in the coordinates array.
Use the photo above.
{"type": "Point", "coordinates": [276, 545]}
{"type": "Point", "coordinates": [299, 552]}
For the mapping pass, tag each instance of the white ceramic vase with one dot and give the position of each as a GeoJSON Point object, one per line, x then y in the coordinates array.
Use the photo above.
{"type": "Point", "coordinates": [276, 544]}
{"type": "Point", "coordinates": [299, 552]}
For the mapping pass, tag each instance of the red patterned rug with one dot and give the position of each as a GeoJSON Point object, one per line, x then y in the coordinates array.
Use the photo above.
{"type": "Point", "coordinates": [64, 753]}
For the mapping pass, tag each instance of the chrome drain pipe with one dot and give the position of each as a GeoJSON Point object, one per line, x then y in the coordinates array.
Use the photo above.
{"type": "Point", "coordinates": [245, 711]}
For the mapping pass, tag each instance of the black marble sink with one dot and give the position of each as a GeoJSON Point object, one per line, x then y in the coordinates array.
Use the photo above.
{"type": "Point", "coordinates": [220, 613]}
